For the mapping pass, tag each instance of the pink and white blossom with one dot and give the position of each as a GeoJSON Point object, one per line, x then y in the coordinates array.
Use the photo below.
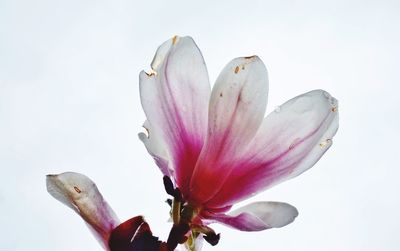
{"type": "Point", "coordinates": [216, 145]}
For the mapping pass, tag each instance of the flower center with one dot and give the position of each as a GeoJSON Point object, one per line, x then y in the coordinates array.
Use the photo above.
{"type": "Point", "coordinates": [187, 224]}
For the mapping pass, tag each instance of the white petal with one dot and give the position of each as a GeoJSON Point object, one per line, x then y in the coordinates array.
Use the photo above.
{"type": "Point", "coordinates": [236, 110]}
{"type": "Point", "coordinates": [175, 98]}
{"type": "Point", "coordinates": [78, 192]}
{"type": "Point", "coordinates": [156, 148]}
{"type": "Point", "coordinates": [259, 216]}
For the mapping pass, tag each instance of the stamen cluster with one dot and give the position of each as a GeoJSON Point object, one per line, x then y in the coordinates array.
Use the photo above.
{"type": "Point", "coordinates": [184, 217]}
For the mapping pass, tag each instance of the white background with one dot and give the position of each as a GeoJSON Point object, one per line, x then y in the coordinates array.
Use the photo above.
{"type": "Point", "coordinates": [69, 101]}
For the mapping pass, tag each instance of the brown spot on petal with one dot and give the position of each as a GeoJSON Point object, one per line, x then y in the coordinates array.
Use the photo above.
{"type": "Point", "coordinates": [220, 95]}
{"type": "Point", "coordinates": [151, 73]}
{"type": "Point", "coordinates": [250, 57]}
{"type": "Point", "coordinates": [77, 190]}
{"type": "Point", "coordinates": [236, 69]}
{"type": "Point", "coordinates": [174, 40]}
{"type": "Point", "coordinates": [147, 131]}
{"type": "Point", "coordinates": [334, 109]}
{"type": "Point", "coordinates": [325, 143]}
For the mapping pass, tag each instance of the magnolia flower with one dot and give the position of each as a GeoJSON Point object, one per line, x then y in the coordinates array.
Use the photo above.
{"type": "Point", "coordinates": [217, 147]}
{"type": "Point", "coordinates": [81, 194]}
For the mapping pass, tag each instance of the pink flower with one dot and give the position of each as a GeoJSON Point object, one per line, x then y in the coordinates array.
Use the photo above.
{"type": "Point", "coordinates": [217, 147]}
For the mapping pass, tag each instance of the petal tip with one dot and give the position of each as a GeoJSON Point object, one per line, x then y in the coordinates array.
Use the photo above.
{"type": "Point", "coordinates": [242, 64]}
{"type": "Point", "coordinates": [287, 215]}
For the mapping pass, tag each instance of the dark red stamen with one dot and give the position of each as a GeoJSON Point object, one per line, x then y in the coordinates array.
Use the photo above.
{"type": "Point", "coordinates": [212, 238]}
{"type": "Point", "coordinates": [169, 186]}
{"type": "Point", "coordinates": [177, 235]}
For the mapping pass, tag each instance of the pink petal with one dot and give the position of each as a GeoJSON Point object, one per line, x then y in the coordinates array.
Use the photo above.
{"type": "Point", "coordinates": [174, 97]}
{"type": "Point", "coordinates": [236, 110]}
{"type": "Point", "coordinates": [78, 192]}
{"type": "Point", "coordinates": [259, 216]}
{"type": "Point", "coordinates": [291, 140]}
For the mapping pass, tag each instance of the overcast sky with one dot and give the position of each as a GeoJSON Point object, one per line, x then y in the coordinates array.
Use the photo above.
{"type": "Point", "coordinates": [69, 101]}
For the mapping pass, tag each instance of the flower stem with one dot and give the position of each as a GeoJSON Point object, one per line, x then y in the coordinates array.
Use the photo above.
{"type": "Point", "coordinates": [190, 244]}
{"type": "Point", "coordinates": [176, 211]}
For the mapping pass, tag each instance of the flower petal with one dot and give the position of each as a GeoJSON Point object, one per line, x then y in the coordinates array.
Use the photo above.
{"type": "Point", "coordinates": [174, 97]}
{"type": "Point", "coordinates": [78, 192]}
{"type": "Point", "coordinates": [156, 148]}
{"type": "Point", "coordinates": [259, 216]}
{"type": "Point", "coordinates": [236, 110]}
{"type": "Point", "coordinates": [291, 140]}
